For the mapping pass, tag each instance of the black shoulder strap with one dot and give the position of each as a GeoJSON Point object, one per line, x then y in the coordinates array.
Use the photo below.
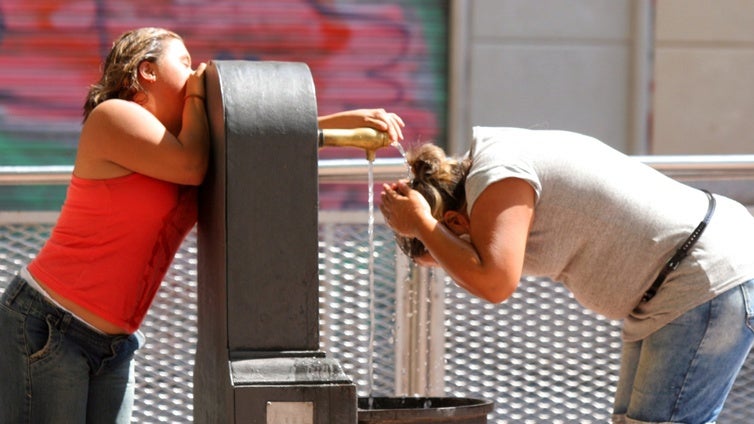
{"type": "Point", "coordinates": [682, 251]}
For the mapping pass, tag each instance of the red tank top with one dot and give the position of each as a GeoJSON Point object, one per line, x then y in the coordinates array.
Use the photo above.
{"type": "Point", "coordinates": [113, 243]}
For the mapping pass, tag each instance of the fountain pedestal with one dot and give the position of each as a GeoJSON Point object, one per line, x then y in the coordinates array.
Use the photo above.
{"type": "Point", "coordinates": [258, 357]}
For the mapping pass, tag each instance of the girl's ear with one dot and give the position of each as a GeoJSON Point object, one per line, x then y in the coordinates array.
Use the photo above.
{"type": "Point", "coordinates": [456, 221]}
{"type": "Point", "coordinates": [147, 71]}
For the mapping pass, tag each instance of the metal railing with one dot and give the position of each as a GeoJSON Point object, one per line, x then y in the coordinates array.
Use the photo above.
{"type": "Point", "coordinates": [681, 167]}
{"type": "Point", "coordinates": [330, 171]}
{"type": "Point", "coordinates": [539, 355]}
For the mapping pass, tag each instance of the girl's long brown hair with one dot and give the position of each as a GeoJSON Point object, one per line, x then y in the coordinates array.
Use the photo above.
{"type": "Point", "coordinates": [121, 68]}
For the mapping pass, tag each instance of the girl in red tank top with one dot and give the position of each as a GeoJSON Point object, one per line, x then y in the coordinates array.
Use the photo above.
{"type": "Point", "coordinates": [143, 149]}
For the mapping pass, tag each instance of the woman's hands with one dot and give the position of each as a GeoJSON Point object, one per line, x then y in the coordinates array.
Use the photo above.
{"type": "Point", "coordinates": [379, 119]}
{"type": "Point", "coordinates": [404, 209]}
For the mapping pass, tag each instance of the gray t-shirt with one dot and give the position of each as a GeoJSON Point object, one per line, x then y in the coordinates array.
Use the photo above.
{"type": "Point", "coordinates": [605, 225]}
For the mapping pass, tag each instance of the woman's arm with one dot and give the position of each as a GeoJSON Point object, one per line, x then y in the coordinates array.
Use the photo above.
{"type": "Point", "coordinates": [500, 224]}
{"type": "Point", "coordinates": [490, 265]}
{"type": "Point", "coordinates": [378, 119]}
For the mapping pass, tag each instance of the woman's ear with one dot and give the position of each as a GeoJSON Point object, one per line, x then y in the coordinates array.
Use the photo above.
{"type": "Point", "coordinates": [147, 71]}
{"type": "Point", "coordinates": [457, 222]}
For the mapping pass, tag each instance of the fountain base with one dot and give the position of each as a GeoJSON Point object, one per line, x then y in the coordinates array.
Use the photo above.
{"type": "Point", "coordinates": [425, 410]}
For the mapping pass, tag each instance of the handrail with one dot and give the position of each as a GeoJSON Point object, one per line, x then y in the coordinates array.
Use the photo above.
{"type": "Point", "coordinates": [707, 167]}
{"type": "Point", "coordinates": [681, 167]}
{"type": "Point", "coordinates": [35, 175]}
{"type": "Point", "coordinates": [330, 171]}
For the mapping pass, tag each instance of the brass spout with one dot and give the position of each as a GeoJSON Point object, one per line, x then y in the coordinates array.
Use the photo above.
{"type": "Point", "coordinates": [364, 138]}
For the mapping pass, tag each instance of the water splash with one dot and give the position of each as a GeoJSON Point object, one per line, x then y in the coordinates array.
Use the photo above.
{"type": "Point", "coordinates": [402, 151]}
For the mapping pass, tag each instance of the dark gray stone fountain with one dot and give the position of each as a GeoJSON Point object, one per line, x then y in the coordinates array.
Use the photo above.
{"type": "Point", "coordinates": [258, 358]}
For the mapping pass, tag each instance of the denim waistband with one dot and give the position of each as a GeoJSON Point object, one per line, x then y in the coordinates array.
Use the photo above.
{"type": "Point", "coordinates": [21, 297]}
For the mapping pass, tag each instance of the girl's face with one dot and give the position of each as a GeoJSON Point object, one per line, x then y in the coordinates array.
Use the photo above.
{"type": "Point", "coordinates": [174, 67]}
{"type": "Point", "coordinates": [167, 83]}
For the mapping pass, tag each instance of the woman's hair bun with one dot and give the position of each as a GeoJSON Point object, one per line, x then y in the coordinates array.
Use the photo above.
{"type": "Point", "coordinates": [426, 161]}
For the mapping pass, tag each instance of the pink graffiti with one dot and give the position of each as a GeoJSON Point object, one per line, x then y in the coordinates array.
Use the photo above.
{"type": "Point", "coordinates": [360, 55]}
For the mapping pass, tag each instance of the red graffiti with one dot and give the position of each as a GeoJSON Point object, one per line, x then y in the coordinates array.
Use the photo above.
{"type": "Point", "coordinates": [360, 55]}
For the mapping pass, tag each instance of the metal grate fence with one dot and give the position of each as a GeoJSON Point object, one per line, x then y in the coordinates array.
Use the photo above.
{"type": "Point", "coordinates": [539, 356]}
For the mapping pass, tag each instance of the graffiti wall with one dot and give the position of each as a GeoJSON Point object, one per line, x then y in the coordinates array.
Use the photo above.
{"type": "Point", "coordinates": [361, 53]}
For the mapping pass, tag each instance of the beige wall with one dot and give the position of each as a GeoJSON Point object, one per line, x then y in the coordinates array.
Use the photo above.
{"type": "Point", "coordinates": [647, 77]}
{"type": "Point", "coordinates": [704, 77]}
{"type": "Point", "coordinates": [551, 64]}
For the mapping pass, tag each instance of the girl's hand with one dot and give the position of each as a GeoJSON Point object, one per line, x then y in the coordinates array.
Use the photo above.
{"type": "Point", "coordinates": [379, 119]}
{"type": "Point", "coordinates": [195, 82]}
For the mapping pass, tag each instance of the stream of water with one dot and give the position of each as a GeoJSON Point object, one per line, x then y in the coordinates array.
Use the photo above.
{"type": "Point", "coordinates": [370, 268]}
{"type": "Point", "coordinates": [370, 225]}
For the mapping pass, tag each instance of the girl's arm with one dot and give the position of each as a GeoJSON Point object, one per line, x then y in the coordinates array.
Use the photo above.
{"type": "Point", "coordinates": [378, 119]}
{"type": "Point", "coordinates": [120, 137]}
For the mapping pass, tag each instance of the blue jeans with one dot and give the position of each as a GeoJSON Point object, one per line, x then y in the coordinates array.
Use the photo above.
{"type": "Point", "coordinates": [683, 372]}
{"type": "Point", "coordinates": [56, 369]}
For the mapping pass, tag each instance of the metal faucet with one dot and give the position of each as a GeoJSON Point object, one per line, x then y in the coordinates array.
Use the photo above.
{"type": "Point", "coordinates": [364, 138]}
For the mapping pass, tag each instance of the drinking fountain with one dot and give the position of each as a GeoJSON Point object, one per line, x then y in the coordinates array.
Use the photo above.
{"type": "Point", "coordinates": [258, 358]}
